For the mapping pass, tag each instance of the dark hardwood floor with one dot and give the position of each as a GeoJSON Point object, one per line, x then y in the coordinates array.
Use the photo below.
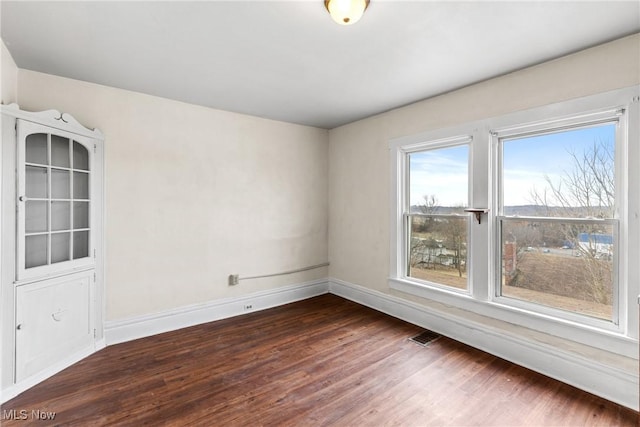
{"type": "Point", "coordinates": [323, 361]}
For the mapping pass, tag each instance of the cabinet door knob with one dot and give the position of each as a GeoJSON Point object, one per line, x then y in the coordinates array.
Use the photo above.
{"type": "Point", "coordinates": [22, 198]}
{"type": "Point", "coordinates": [57, 316]}
{"type": "Point", "coordinates": [19, 327]}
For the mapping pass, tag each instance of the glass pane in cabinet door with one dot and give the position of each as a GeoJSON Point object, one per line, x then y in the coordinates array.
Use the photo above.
{"type": "Point", "coordinates": [36, 182]}
{"type": "Point", "coordinates": [80, 215]}
{"type": "Point", "coordinates": [80, 185]}
{"type": "Point", "coordinates": [80, 244]}
{"type": "Point", "coordinates": [60, 216]}
{"type": "Point", "coordinates": [35, 216]}
{"type": "Point", "coordinates": [35, 251]}
{"type": "Point", "coordinates": [60, 247]}
{"type": "Point", "coordinates": [60, 151]}
{"type": "Point", "coordinates": [60, 184]}
{"type": "Point", "coordinates": [36, 148]}
{"type": "Point", "coordinates": [80, 156]}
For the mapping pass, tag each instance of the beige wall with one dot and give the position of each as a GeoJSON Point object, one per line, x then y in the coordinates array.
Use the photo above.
{"type": "Point", "coordinates": [8, 76]}
{"type": "Point", "coordinates": [359, 174]}
{"type": "Point", "coordinates": [195, 194]}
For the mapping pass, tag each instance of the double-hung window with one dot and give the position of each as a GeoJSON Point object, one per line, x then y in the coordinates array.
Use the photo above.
{"type": "Point", "coordinates": [530, 218]}
{"type": "Point", "coordinates": [558, 217]}
{"type": "Point", "coordinates": [435, 222]}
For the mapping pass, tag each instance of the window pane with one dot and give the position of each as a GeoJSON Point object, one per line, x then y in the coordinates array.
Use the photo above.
{"type": "Point", "coordinates": [35, 216]}
{"type": "Point", "coordinates": [438, 250]}
{"type": "Point", "coordinates": [80, 244]}
{"type": "Point", "coordinates": [564, 265]}
{"type": "Point", "coordinates": [60, 151]}
{"type": "Point", "coordinates": [80, 156]}
{"type": "Point", "coordinates": [60, 184]}
{"type": "Point", "coordinates": [80, 215]}
{"type": "Point", "coordinates": [60, 247]}
{"type": "Point", "coordinates": [60, 216]}
{"type": "Point", "coordinates": [438, 185]}
{"type": "Point", "coordinates": [35, 253]}
{"type": "Point", "coordinates": [438, 180]}
{"type": "Point", "coordinates": [80, 185]}
{"type": "Point", "coordinates": [36, 182]}
{"type": "Point", "coordinates": [561, 174]}
{"type": "Point", "coordinates": [36, 149]}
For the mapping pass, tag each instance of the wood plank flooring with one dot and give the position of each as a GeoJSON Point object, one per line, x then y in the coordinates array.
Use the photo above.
{"type": "Point", "coordinates": [319, 362]}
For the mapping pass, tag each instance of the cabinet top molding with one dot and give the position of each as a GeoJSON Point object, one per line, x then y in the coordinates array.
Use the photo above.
{"type": "Point", "coordinates": [52, 118]}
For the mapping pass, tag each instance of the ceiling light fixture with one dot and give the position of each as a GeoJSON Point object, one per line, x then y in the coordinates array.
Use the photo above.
{"type": "Point", "coordinates": [346, 12]}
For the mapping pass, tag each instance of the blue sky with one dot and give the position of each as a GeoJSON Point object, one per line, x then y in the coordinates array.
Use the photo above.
{"type": "Point", "coordinates": [443, 172]}
{"type": "Point", "coordinates": [527, 161]}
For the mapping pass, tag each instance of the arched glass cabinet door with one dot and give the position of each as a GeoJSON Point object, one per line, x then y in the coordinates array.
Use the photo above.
{"type": "Point", "coordinates": [54, 201]}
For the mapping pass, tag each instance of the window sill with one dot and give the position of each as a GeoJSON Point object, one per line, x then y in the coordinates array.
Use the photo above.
{"type": "Point", "coordinates": [611, 341]}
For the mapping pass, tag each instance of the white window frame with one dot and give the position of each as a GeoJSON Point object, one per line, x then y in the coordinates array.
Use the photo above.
{"type": "Point", "coordinates": [482, 298]}
{"type": "Point", "coordinates": [568, 123]}
{"type": "Point", "coordinates": [456, 141]}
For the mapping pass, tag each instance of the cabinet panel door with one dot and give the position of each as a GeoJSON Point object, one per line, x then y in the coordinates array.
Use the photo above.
{"type": "Point", "coordinates": [53, 322]}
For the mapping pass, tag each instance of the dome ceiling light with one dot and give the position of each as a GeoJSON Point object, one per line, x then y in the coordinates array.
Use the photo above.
{"type": "Point", "coordinates": [346, 12]}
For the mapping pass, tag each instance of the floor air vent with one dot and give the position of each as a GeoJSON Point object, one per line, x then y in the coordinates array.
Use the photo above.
{"type": "Point", "coordinates": [425, 338]}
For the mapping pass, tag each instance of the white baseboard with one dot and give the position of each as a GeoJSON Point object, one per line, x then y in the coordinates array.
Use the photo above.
{"type": "Point", "coordinates": [600, 379]}
{"type": "Point", "coordinates": [17, 388]}
{"type": "Point", "coordinates": [143, 326]}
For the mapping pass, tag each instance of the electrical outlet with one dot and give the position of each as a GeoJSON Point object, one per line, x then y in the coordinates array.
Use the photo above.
{"type": "Point", "coordinates": [233, 279]}
{"type": "Point", "coordinates": [248, 307]}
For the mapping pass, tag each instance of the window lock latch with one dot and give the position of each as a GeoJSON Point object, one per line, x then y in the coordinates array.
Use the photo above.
{"type": "Point", "coordinates": [478, 213]}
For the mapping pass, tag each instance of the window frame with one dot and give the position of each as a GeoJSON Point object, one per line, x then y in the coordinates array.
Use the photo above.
{"type": "Point", "coordinates": [455, 141]}
{"type": "Point", "coordinates": [482, 296]}
{"type": "Point", "coordinates": [497, 136]}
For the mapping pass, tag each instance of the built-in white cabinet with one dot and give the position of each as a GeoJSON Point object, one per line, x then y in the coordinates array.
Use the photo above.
{"type": "Point", "coordinates": [51, 252]}
{"type": "Point", "coordinates": [53, 321]}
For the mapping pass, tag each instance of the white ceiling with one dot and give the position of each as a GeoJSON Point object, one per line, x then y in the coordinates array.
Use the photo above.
{"type": "Point", "coordinates": [289, 61]}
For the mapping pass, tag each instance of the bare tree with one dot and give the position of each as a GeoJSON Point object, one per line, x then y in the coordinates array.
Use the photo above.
{"type": "Point", "coordinates": [455, 232]}
{"type": "Point", "coordinates": [430, 205]}
{"type": "Point", "coordinates": [438, 239]}
{"type": "Point", "coordinates": [422, 248]}
{"type": "Point", "coordinates": [587, 190]}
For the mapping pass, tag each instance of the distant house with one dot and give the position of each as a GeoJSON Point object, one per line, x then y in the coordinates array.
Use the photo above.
{"type": "Point", "coordinates": [429, 252]}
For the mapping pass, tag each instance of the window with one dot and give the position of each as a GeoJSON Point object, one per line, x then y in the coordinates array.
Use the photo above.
{"type": "Point", "coordinates": [557, 221]}
{"type": "Point", "coordinates": [557, 194]}
{"type": "Point", "coordinates": [437, 225]}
